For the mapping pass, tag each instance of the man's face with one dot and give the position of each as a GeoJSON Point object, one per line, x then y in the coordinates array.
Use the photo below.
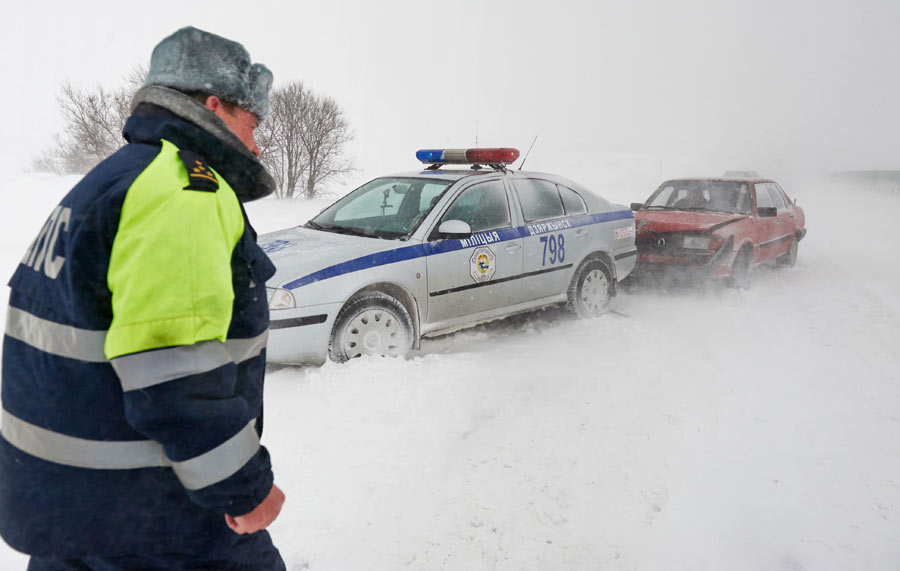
{"type": "Point", "coordinates": [241, 122]}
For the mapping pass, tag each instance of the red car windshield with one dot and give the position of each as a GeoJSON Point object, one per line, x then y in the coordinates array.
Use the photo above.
{"type": "Point", "coordinates": [713, 195]}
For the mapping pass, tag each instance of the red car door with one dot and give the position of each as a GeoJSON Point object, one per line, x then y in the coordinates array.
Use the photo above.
{"type": "Point", "coordinates": [775, 231]}
{"type": "Point", "coordinates": [792, 219]}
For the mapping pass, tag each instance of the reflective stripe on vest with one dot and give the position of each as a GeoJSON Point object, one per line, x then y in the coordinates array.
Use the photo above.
{"type": "Point", "coordinates": [55, 338]}
{"type": "Point", "coordinates": [220, 462]}
{"type": "Point", "coordinates": [245, 349]}
{"type": "Point", "coordinates": [87, 344]}
{"type": "Point", "coordinates": [142, 370]}
{"type": "Point", "coordinates": [195, 473]}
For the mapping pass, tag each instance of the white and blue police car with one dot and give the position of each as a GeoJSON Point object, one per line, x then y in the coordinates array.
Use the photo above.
{"type": "Point", "coordinates": [418, 254]}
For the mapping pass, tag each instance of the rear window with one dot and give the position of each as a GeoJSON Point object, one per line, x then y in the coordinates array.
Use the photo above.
{"type": "Point", "coordinates": [572, 201]}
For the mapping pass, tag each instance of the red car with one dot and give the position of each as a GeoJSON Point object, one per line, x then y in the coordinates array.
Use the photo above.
{"type": "Point", "coordinates": [719, 227]}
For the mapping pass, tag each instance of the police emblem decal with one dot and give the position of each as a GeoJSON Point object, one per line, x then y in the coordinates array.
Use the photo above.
{"type": "Point", "coordinates": [482, 264]}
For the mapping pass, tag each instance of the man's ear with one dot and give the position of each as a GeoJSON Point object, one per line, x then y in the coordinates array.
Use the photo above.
{"type": "Point", "coordinates": [213, 103]}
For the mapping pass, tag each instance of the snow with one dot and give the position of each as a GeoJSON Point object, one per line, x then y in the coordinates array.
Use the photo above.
{"type": "Point", "coordinates": [693, 428]}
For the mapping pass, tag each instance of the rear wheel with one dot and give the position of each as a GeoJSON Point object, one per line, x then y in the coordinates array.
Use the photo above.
{"type": "Point", "coordinates": [591, 290]}
{"type": "Point", "coordinates": [789, 258]}
{"type": "Point", "coordinates": [372, 323]}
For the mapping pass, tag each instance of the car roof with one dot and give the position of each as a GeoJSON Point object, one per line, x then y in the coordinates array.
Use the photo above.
{"type": "Point", "coordinates": [440, 174]}
{"type": "Point", "coordinates": [721, 178]}
{"type": "Point", "coordinates": [460, 174]}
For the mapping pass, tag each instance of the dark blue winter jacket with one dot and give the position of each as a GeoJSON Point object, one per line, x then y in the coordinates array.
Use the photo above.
{"type": "Point", "coordinates": [137, 436]}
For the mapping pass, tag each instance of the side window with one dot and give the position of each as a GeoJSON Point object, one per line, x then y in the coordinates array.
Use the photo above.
{"type": "Point", "coordinates": [539, 198]}
{"type": "Point", "coordinates": [776, 197]}
{"type": "Point", "coordinates": [572, 201]}
{"type": "Point", "coordinates": [788, 205]}
{"type": "Point", "coordinates": [483, 206]}
{"type": "Point", "coordinates": [762, 197]}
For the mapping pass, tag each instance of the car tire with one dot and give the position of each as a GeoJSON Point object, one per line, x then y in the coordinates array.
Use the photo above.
{"type": "Point", "coordinates": [590, 290]}
{"type": "Point", "coordinates": [372, 323]}
{"type": "Point", "coordinates": [789, 258]}
{"type": "Point", "coordinates": [740, 270]}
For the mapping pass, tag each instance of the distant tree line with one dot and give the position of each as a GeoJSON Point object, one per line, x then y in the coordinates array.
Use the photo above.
{"type": "Point", "coordinates": [301, 141]}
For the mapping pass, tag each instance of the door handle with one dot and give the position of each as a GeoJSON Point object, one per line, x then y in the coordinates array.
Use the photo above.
{"type": "Point", "coordinates": [581, 233]}
{"type": "Point", "coordinates": [513, 246]}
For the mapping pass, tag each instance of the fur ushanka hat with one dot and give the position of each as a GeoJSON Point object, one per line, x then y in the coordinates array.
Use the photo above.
{"type": "Point", "coordinates": [193, 60]}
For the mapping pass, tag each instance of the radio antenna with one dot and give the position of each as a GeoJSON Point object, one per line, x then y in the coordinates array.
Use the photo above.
{"type": "Point", "coordinates": [527, 153]}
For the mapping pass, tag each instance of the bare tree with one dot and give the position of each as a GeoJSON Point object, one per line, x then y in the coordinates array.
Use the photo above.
{"type": "Point", "coordinates": [279, 138]}
{"type": "Point", "coordinates": [324, 135]}
{"type": "Point", "coordinates": [302, 141]}
{"type": "Point", "coordinates": [93, 120]}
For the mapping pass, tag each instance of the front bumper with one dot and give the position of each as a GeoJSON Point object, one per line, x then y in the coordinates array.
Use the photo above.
{"type": "Point", "coordinates": [701, 263]}
{"type": "Point", "coordinates": [300, 335]}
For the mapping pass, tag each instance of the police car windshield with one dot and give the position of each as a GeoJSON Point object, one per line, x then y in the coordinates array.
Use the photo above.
{"type": "Point", "coordinates": [713, 195]}
{"type": "Point", "coordinates": [389, 207]}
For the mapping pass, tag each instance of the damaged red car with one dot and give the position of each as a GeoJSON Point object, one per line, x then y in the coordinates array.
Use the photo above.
{"type": "Point", "coordinates": [717, 227]}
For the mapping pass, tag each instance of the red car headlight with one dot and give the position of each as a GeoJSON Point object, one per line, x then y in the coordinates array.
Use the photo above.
{"type": "Point", "coordinates": [701, 242]}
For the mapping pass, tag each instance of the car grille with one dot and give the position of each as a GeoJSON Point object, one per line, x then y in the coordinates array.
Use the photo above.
{"type": "Point", "coordinates": [664, 245]}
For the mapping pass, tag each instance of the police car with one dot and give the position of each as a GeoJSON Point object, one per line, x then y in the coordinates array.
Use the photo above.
{"type": "Point", "coordinates": [417, 254]}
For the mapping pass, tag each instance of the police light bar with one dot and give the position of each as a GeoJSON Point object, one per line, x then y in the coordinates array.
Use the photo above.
{"type": "Point", "coordinates": [498, 156]}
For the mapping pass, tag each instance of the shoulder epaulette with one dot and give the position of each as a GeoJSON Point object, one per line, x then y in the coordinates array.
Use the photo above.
{"type": "Point", "coordinates": [200, 175]}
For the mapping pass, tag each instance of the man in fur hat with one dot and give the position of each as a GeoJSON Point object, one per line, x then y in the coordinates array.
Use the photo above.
{"type": "Point", "coordinates": [134, 353]}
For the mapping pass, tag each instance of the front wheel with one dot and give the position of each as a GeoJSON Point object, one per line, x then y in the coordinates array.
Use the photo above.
{"type": "Point", "coordinates": [789, 258]}
{"type": "Point", "coordinates": [740, 270]}
{"type": "Point", "coordinates": [591, 290]}
{"type": "Point", "coordinates": [372, 323]}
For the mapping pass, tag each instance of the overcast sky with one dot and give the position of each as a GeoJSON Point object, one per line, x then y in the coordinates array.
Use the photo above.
{"type": "Point", "coordinates": [769, 84]}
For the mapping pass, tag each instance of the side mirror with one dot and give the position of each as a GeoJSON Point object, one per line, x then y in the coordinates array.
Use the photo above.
{"type": "Point", "coordinates": [767, 212]}
{"type": "Point", "coordinates": [636, 206]}
{"type": "Point", "coordinates": [454, 229]}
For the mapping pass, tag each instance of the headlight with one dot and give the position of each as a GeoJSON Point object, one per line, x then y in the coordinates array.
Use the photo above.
{"type": "Point", "coordinates": [696, 242]}
{"type": "Point", "coordinates": [280, 298]}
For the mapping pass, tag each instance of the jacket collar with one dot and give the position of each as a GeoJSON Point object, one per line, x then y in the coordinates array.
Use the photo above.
{"type": "Point", "coordinates": [163, 113]}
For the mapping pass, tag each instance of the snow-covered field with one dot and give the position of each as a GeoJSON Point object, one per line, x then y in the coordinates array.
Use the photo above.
{"type": "Point", "coordinates": [690, 429]}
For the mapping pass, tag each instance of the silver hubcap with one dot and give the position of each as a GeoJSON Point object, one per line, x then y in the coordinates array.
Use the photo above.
{"type": "Point", "coordinates": [373, 332]}
{"type": "Point", "coordinates": [595, 292]}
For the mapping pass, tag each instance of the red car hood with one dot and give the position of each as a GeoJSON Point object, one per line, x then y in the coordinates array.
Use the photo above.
{"type": "Point", "coordinates": [681, 220]}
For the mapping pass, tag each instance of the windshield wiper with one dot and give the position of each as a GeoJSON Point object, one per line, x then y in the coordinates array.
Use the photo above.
{"type": "Point", "coordinates": [336, 229]}
{"type": "Point", "coordinates": [350, 231]}
{"type": "Point", "coordinates": [719, 210]}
